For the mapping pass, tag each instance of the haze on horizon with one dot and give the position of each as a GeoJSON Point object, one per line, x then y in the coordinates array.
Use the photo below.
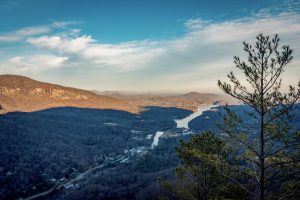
{"type": "Point", "coordinates": [137, 45]}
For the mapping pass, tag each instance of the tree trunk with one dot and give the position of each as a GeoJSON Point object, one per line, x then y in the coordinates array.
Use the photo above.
{"type": "Point", "coordinates": [198, 186]}
{"type": "Point", "coordinates": [205, 193]}
{"type": "Point", "coordinates": [262, 160]}
{"type": "Point", "coordinates": [261, 134]}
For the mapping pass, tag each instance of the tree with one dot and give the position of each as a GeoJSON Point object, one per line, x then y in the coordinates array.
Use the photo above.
{"type": "Point", "coordinates": [271, 148]}
{"type": "Point", "coordinates": [200, 176]}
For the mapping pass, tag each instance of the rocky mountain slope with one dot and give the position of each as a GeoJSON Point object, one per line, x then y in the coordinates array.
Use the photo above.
{"type": "Point", "coordinates": [19, 93]}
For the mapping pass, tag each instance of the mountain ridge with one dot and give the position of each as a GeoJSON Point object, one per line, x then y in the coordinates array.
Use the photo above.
{"type": "Point", "coordinates": [189, 101]}
{"type": "Point", "coordinates": [20, 93]}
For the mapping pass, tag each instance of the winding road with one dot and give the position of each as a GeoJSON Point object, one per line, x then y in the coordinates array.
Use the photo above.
{"type": "Point", "coordinates": [181, 123]}
{"type": "Point", "coordinates": [60, 185]}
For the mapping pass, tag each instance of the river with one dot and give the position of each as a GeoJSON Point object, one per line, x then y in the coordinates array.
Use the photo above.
{"type": "Point", "coordinates": [184, 123]}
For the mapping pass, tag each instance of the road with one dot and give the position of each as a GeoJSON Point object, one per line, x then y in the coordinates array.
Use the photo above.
{"type": "Point", "coordinates": [79, 177]}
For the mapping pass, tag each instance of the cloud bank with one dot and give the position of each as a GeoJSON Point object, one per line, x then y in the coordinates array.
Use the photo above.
{"type": "Point", "coordinates": [199, 57]}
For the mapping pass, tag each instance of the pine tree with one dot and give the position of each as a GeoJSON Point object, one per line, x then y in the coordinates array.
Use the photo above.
{"type": "Point", "coordinates": [271, 149]}
{"type": "Point", "coordinates": [201, 174]}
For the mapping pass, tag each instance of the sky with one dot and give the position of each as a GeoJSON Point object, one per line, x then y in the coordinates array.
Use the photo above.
{"type": "Point", "coordinates": [140, 46]}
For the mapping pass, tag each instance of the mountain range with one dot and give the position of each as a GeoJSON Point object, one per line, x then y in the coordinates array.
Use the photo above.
{"type": "Point", "coordinates": [19, 93]}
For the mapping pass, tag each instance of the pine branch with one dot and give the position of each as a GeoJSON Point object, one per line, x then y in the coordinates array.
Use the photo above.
{"type": "Point", "coordinates": [243, 142]}
{"type": "Point", "coordinates": [282, 148]}
{"type": "Point", "coordinates": [282, 180]}
{"type": "Point", "coordinates": [237, 182]}
{"type": "Point", "coordinates": [244, 101]}
{"type": "Point", "coordinates": [283, 111]}
{"type": "Point", "coordinates": [282, 163]}
{"type": "Point", "coordinates": [288, 195]}
{"type": "Point", "coordinates": [276, 76]}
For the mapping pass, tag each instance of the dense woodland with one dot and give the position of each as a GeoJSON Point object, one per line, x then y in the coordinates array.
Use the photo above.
{"type": "Point", "coordinates": [53, 143]}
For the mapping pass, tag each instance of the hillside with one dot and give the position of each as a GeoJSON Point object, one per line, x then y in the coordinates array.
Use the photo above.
{"type": "Point", "coordinates": [189, 101]}
{"type": "Point", "coordinates": [19, 93]}
{"type": "Point", "coordinates": [40, 148]}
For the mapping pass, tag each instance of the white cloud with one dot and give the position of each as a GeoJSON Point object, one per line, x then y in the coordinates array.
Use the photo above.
{"type": "Point", "coordinates": [203, 41]}
{"type": "Point", "coordinates": [46, 61]}
{"type": "Point", "coordinates": [16, 60]}
{"type": "Point", "coordinates": [64, 24]}
{"type": "Point", "coordinates": [34, 63]}
{"type": "Point", "coordinates": [23, 33]}
{"type": "Point", "coordinates": [65, 45]}
{"type": "Point", "coordinates": [9, 38]}
{"type": "Point", "coordinates": [194, 24]}
{"type": "Point", "coordinates": [123, 56]}
{"type": "Point", "coordinates": [239, 30]}
{"type": "Point", "coordinates": [28, 31]}
{"type": "Point", "coordinates": [204, 51]}
{"type": "Point", "coordinates": [45, 41]}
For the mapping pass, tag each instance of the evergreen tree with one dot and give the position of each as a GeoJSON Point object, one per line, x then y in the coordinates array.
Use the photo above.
{"type": "Point", "coordinates": [201, 175]}
{"type": "Point", "coordinates": [269, 152]}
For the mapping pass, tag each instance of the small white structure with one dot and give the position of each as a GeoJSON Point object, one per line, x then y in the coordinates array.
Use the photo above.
{"type": "Point", "coordinates": [149, 137]}
{"type": "Point", "coordinates": [62, 179]}
{"type": "Point", "coordinates": [53, 180]}
{"type": "Point", "coordinates": [110, 124]}
{"type": "Point", "coordinates": [69, 186]}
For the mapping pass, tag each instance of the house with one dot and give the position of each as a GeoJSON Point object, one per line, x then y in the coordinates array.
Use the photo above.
{"type": "Point", "coordinates": [62, 179]}
{"type": "Point", "coordinates": [69, 186]}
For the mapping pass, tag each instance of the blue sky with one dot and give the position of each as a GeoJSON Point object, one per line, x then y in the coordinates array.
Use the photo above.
{"type": "Point", "coordinates": [139, 45]}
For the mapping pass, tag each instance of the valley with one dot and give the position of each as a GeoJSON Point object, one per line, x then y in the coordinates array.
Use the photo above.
{"type": "Point", "coordinates": [42, 147]}
{"type": "Point", "coordinates": [72, 146]}
{"type": "Point", "coordinates": [77, 153]}
{"type": "Point", "coordinates": [64, 143]}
